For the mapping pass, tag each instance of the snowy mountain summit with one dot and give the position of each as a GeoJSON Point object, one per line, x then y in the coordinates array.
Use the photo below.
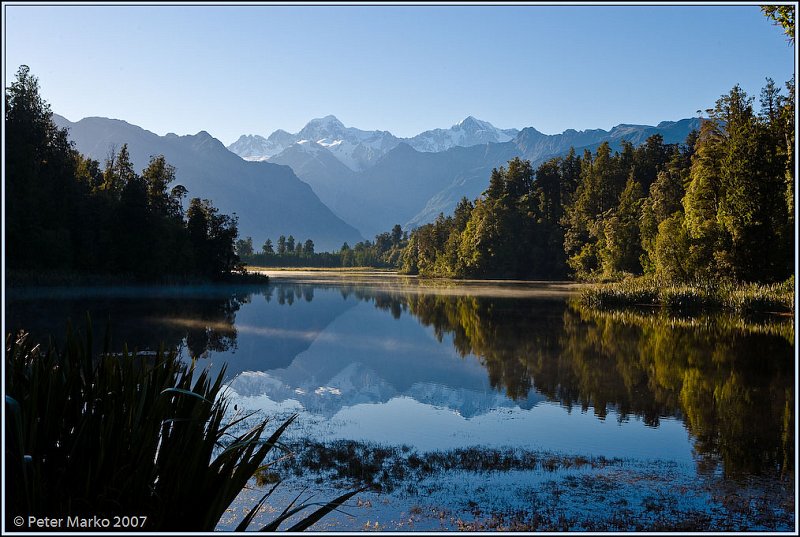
{"type": "Point", "coordinates": [327, 128]}
{"type": "Point", "coordinates": [255, 147]}
{"type": "Point", "coordinates": [466, 133]}
{"type": "Point", "coordinates": [358, 149]}
{"type": "Point", "coordinates": [355, 148]}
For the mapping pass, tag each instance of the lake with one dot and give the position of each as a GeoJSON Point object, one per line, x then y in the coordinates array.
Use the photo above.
{"type": "Point", "coordinates": [480, 405]}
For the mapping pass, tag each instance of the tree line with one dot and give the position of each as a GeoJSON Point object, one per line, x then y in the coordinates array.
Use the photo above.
{"type": "Point", "coordinates": [384, 252]}
{"type": "Point", "coordinates": [66, 212]}
{"type": "Point", "coordinates": [719, 205]}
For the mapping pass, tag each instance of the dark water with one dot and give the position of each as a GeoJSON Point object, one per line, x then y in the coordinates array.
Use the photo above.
{"type": "Point", "coordinates": [441, 366]}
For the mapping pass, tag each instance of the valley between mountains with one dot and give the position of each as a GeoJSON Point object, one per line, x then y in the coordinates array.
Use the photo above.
{"type": "Point", "coordinates": [336, 184]}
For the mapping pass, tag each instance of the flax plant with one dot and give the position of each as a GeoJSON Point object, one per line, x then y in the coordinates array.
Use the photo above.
{"type": "Point", "coordinates": [130, 435]}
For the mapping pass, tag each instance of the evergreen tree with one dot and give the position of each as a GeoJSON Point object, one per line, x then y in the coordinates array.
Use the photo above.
{"type": "Point", "coordinates": [397, 235]}
{"type": "Point", "coordinates": [594, 196]}
{"type": "Point", "coordinates": [702, 203]}
{"type": "Point", "coordinates": [664, 200]}
{"type": "Point", "coordinates": [157, 176]}
{"type": "Point", "coordinates": [347, 257]}
{"type": "Point", "coordinates": [622, 248]}
{"type": "Point", "coordinates": [670, 253]}
{"type": "Point", "coordinates": [133, 249]}
{"type": "Point", "coordinates": [118, 172]}
{"type": "Point", "coordinates": [244, 247]}
{"type": "Point", "coordinates": [43, 199]}
{"type": "Point", "coordinates": [213, 237]}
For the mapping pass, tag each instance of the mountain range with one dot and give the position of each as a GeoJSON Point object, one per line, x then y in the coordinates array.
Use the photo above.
{"type": "Point", "coordinates": [373, 180]}
{"type": "Point", "coordinates": [358, 149]}
{"type": "Point", "coordinates": [335, 184]}
{"type": "Point", "coordinates": [268, 198]}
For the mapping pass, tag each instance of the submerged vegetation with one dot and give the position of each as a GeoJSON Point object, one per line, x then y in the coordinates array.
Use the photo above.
{"type": "Point", "coordinates": [145, 435]}
{"type": "Point", "coordinates": [388, 468]}
{"type": "Point", "coordinates": [550, 490]}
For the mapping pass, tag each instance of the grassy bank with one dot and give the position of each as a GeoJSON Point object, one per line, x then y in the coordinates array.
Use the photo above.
{"type": "Point", "coordinates": [687, 297]}
{"type": "Point", "coordinates": [254, 269]}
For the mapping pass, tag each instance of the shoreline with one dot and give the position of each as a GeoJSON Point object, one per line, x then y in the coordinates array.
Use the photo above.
{"type": "Point", "coordinates": [29, 279]}
{"type": "Point", "coordinates": [641, 293]}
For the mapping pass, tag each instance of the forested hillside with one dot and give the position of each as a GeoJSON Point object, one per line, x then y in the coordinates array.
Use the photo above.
{"type": "Point", "coordinates": [67, 212]}
{"type": "Point", "coordinates": [720, 205]}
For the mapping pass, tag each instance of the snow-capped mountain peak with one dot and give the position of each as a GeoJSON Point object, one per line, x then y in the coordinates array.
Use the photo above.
{"type": "Point", "coordinates": [324, 128]}
{"type": "Point", "coordinates": [471, 123]}
{"type": "Point", "coordinates": [252, 147]}
{"type": "Point", "coordinates": [355, 148]}
{"type": "Point", "coordinates": [467, 132]}
{"type": "Point", "coordinates": [359, 149]}
{"type": "Point", "coordinates": [329, 122]}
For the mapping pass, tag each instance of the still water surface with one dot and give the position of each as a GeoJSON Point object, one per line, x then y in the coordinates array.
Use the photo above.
{"type": "Point", "coordinates": [439, 365]}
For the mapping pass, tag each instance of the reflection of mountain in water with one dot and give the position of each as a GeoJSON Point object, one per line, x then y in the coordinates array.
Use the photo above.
{"type": "Point", "coordinates": [729, 379]}
{"type": "Point", "coordinates": [280, 324]}
{"type": "Point", "coordinates": [362, 357]}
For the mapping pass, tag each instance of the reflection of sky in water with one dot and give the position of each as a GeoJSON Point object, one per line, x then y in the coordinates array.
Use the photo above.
{"type": "Point", "coordinates": [546, 427]}
{"type": "Point", "coordinates": [359, 371]}
{"type": "Point", "coordinates": [369, 357]}
{"type": "Point", "coordinates": [368, 376]}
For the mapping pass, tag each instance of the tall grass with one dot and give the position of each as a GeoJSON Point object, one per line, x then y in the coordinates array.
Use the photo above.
{"type": "Point", "coordinates": [687, 297]}
{"type": "Point", "coordinates": [129, 435]}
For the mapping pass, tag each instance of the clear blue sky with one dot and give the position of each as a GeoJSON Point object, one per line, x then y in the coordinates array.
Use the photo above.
{"type": "Point", "coordinates": [233, 70]}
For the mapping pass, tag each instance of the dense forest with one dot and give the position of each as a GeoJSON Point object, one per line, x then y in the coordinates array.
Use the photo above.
{"type": "Point", "coordinates": [721, 205]}
{"type": "Point", "coordinates": [64, 212]}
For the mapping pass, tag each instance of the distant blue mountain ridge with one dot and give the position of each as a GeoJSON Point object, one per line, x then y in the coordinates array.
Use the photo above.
{"type": "Point", "coordinates": [336, 184]}
{"type": "Point", "coordinates": [410, 185]}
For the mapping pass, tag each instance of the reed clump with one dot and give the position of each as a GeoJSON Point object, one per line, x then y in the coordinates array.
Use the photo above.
{"type": "Point", "coordinates": [691, 296]}
{"type": "Point", "coordinates": [102, 434]}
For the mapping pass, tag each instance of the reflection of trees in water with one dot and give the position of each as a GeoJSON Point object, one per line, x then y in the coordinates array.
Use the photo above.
{"type": "Point", "coordinates": [502, 335]}
{"type": "Point", "coordinates": [729, 379]}
{"type": "Point", "coordinates": [731, 382]}
{"type": "Point", "coordinates": [201, 319]}
{"type": "Point", "coordinates": [732, 386]}
{"type": "Point", "coordinates": [213, 327]}
{"type": "Point", "coordinates": [202, 322]}
{"type": "Point", "coordinates": [287, 294]}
